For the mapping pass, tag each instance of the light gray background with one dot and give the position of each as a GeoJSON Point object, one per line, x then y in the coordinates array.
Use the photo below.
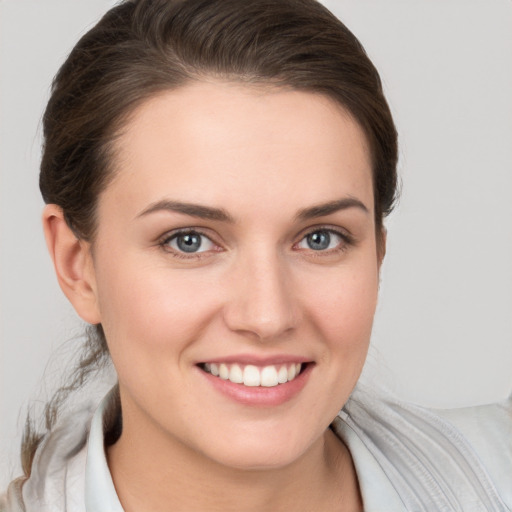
{"type": "Point", "coordinates": [443, 329]}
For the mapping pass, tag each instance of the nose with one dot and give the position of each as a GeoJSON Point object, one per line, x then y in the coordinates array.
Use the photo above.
{"type": "Point", "coordinates": [262, 301]}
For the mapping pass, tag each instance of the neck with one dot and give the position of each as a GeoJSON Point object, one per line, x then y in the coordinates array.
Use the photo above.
{"type": "Point", "coordinates": [158, 474]}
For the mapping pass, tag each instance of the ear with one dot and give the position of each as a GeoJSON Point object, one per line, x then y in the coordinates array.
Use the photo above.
{"type": "Point", "coordinates": [73, 264]}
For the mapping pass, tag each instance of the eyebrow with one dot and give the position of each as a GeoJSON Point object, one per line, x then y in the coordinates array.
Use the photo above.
{"type": "Point", "coordinates": [219, 214]}
{"type": "Point", "coordinates": [194, 210]}
{"type": "Point", "coordinates": [323, 209]}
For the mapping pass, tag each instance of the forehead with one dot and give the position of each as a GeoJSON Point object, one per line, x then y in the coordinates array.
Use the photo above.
{"type": "Point", "coordinates": [209, 139]}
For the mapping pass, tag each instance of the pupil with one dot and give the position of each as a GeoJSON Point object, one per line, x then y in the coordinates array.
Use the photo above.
{"type": "Point", "coordinates": [189, 243]}
{"type": "Point", "coordinates": [319, 240]}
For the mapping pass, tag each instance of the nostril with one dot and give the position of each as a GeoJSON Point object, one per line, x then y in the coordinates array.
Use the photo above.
{"type": "Point", "coordinates": [262, 306]}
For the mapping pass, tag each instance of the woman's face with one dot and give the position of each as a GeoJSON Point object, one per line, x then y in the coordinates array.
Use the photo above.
{"type": "Point", "coordinates": [238, 238]}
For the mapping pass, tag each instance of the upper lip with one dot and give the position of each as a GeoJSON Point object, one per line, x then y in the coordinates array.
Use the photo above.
{"type": "Point", "coordinates": [256, 360]}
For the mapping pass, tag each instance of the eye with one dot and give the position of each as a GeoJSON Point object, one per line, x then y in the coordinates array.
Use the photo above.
{"type": "Point", "coordinates": [321, 240]}
{"type": "Point", "coordinates": [189, 242]}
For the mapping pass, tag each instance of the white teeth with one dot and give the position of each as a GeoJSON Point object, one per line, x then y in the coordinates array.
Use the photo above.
{"type": "Point", "coordinates": [236, 375]}
{"type": "Point", "coordinates": [269, 377]}
{"type": "Point", "coordinates": [223, 371]}
{"type": "Point", "coordinates": [282, 375]}
{"type": "Point", "coordinates": [253, 376]}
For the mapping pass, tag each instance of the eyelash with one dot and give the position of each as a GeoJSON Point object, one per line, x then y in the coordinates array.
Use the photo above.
{"type": "Point", "coordinates": [347, 241]}
{"type": "Point", "coordinates": [168, 238]}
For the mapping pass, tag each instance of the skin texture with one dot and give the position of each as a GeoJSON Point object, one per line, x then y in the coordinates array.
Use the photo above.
{"type": "Point", "coordinates": [256, 289]}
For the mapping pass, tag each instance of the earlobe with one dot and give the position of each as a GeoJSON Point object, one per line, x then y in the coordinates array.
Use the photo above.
{"type": "Point", "coordinates": [73, 264]}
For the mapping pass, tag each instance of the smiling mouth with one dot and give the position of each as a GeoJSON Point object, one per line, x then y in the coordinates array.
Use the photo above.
{"type": "Point", "coordinates": [254, 376]}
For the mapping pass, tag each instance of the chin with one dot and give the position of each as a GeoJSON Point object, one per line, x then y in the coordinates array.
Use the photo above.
{"type": "Point", "coordinates": [263, 452]}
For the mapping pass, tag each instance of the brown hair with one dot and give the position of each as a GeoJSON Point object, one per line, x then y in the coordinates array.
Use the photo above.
{"type": "Point", "coordinates": [140, 48]}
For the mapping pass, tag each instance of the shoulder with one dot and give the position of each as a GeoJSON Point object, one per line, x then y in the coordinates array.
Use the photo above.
{"type": "Point", "coordinates": [11, 501]}
{"type": "Point", "coordinates": [57, 469]}
{"type": "Point", "coordinates": [66, 459]}
{"type": "Point", "coordinates": [488, 430]}
{"type": "Point", "coordinates": [439, 459]}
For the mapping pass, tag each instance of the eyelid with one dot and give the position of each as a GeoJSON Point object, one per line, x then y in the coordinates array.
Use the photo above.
{"type": "Point", "coordinates": [165, 239]}
{"type": "Point", "coordinates": [344, 233]}
{"type": "Point", "coordinates": [347, 238]}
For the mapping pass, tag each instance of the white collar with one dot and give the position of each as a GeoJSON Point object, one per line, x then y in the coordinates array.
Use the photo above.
{"type": "Point", "coordinates": [100, 493]}
{"type": "Point", "coordinates": [406, 458]}
{"type": "Point", "coordinates": [377, 491]}
{"type": "Point", "coordinates": [376, 488]}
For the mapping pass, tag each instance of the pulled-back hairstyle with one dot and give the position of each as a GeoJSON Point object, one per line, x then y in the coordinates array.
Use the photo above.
{"type": "Point", "coordinates": [140, 48]}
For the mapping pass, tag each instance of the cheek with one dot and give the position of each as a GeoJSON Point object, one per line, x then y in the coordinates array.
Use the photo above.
{"type": "Point", "coordinates": [343, 317]}
{"type": "Point", "coordinates": [344, 307]}
{"type": "Point", "coordinates": [150, 307]}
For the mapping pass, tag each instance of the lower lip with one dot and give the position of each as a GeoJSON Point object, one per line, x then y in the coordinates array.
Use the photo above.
{"type": "Point", "coordinates": [260, 395]}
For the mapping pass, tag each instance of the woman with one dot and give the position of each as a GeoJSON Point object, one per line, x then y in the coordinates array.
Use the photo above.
{"type": "Point", "coordinates": [216, 177]}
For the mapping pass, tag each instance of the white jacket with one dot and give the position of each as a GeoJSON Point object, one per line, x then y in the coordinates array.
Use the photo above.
{"type": "Point", "coordinates": [407, 458]}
